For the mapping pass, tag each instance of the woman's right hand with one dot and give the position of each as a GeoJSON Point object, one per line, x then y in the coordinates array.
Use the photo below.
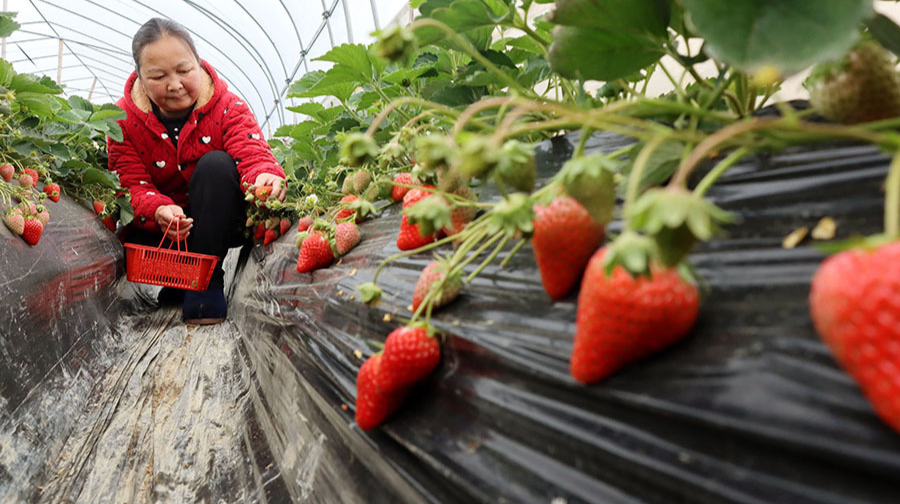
{"type": "Point", "coordinates": [165, 214]}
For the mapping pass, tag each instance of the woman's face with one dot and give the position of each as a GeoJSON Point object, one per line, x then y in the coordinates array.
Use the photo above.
{"type": "Point", "coordinates": [171, 75]}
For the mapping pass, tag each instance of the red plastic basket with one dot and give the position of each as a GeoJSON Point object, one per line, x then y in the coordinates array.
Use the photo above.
{"type": "Point", "coordinates": [167, 267]}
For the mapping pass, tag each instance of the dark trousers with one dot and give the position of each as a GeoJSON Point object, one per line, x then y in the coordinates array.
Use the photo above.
{"type": "Point", "coordinates": [217, 206]}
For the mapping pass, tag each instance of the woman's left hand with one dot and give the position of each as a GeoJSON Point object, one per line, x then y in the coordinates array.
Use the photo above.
{"type": "Point", "coordinates": [277, 183]}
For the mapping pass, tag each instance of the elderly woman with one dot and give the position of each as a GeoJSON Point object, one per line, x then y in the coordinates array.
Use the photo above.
{"type": "Point", "coordinates": [188, 146]}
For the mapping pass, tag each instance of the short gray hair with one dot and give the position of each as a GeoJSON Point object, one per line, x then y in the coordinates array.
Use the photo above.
{"type": "Point", "coordinates": [155, 29]}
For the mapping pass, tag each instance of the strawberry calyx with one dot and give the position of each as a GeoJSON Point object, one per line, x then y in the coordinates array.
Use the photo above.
{"type": "Point", "coordinates": [431, 214]}
{"type": "Point", "coordinates": [369, 293]}
{"type": "Point", "coordinates": [397, 44]}
{"type": "Point", "coordinates": [478, 157]}
{"type": "Point", "coordinates": [514, 216]}
{"type": "Point", "coordinates": [633, 251]}
{"type": "Point", "coordinates": [865, 243]}
{"type": "Point", "coordinates": [434, 152]}
{"type": "Point", "coordinates": [676, 218]}
{"type": "Point", "coordinates": [358, 149]}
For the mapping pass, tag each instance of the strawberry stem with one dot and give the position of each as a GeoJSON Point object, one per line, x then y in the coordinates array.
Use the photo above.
{"type": "Point", "coordinates": [637, 171]}
{"type": "Point", "coordinates": [720, 169]}
{"type": "Point", "coordinates": [474, 255]}
{"type": "Point", "coordinates": [513, 252]}
{"type": "Point", "coordinates": [892, 200]}
{"type": "Point", "coordinates": [490, 258]}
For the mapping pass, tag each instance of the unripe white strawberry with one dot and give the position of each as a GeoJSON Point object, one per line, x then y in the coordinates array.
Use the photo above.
{"type": "Point", "coordinates": [864, 86]}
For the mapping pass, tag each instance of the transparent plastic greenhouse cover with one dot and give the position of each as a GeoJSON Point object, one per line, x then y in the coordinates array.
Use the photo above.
{"type": "Point", "coordinates": [259, 47]}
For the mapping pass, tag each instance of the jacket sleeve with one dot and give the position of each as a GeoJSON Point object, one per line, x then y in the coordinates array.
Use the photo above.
{"type": "Point", "coordinates": [245, 143]}
{"type": "Point", "coordinates": [133, 175]}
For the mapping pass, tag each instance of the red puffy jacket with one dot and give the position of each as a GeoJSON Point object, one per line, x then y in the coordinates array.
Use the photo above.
{"type": "Point", "coordinates": [156, 173]}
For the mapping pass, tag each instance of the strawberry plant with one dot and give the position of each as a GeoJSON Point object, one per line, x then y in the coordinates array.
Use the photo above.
{"type": "Point", "coordinates": [443, 114]}
{"type": "Point", "coordinates": [59, 143]}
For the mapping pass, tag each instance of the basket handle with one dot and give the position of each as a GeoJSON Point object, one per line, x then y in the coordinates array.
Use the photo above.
{"type": "Point", "coordinates": [176, 220]}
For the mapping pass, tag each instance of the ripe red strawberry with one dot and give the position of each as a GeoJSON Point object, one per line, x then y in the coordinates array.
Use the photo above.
{"type": "Point", "coordinates": [33, 230]}
{"type": "Point", "coordinates": [99, 207]}
{"type": "Point", "coordinates": [854, 305]}
{"type": "Point", "coordinates": [52, 191]}
{"type": "Point", "coordinates": [270, 236]}
{"type": "Point", "coordinates": [315, 253]}
{"type": "Point", "coordinates": [372, 405]}
{"type": "Point", "coordinates": [34, 175]}
{"type": "Point", "coordinates": [304, 224]}
{"type": "Point", "coordinates": [864, 86]}
{"type": "Point", "coordinates": [109, 222]}
{"type": "Point", "coordinates": [410, 355]}
{"type": "Point", "coordinates": [565, 237]}
{"type": "Point", "coordinates": [284, 226]}
{"type": "Point", "coordinates": [431, 275]}
{"type": "Point", "coordinates": [7, 172]}
{"type": "Point", "coordinates": [622, 319]}
{"type": "Point", "coordinates": [346, 212]}
{"type": "Point", "coordinates": [260, 231]}
{"type": "Point", "coordinates": [262, 192]}
{"type": "Point", "coordinates": [26, 180]}
{"type": "Point", "coordinates": [398, 192]}
{"type": "Point", "coordinates": [416, 195]}
{"type": "Point", "coordinates": [461, 216]}
{"type": "Point", "coordinates": [410, 238]}
{"type": "Point", "coordinates": [346, 236]}
{"type": "Point", "coordinates": [15, 222]}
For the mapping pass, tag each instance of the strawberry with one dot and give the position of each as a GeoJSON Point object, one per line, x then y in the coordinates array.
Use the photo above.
{"type": "Point", "coordinates": [347, 185]}
{"type": "Point", "coordinates": [410, 355]}
{"type": "Point", "coordinates": [52, 191]}
{"type": "Point", "coordinates": [269, 236]}
{"type": "Point", "coordinates": [398, 192]}
{"type": "Point", "coordinates": [110, 222]}
{"type": "Point", "coordinates": [565, 237]}
{"type": "Point", "coordinates": [346, 236]}
{"type": "Point", "coordinates": [346, 212]}
{"type": "Point", "coordinates": [26, 180]}
{"type": "Point", "coordinates": [410, 238]}
{"type": "Point", "coordinates": [260, 231]}
{"type": "Point", "coordinates": [315, 253]}
{"type": "Point", "coordinates": [284, 226]}
{"type": "Point", "coordinates": [415, 195]}
{"type": "Point", "coordinates": [33, 230]}
{"type": "Point", "coordinates": [43, 216]}
{"type": "Point", "coordinates": [622, 319]}
{"type": "Point", "coordinates": [15, 222]}
{"type": "Point", "coordinates": [304, 224]}
{"type": "Point", "coordinates": [461, 216]}
{"type": "Point", "coordinates": [428, 280]}
{"type": "Point", "coordinates": [7, 172]}
{"type": "Point", "coordinates": [863, 87]}
{"type": "Point", "coordinates": [99, 207]}
{"type": "Point", "coordinates": [262, 192]}
{"type": "Point", "coordinates": [853, 302]}
{"type": "Point", "coordinates": [372, 405]}
{"type": "Point", "coordinates": [361, 180]}
{"type": "Point", "coordinates": [34, 175]}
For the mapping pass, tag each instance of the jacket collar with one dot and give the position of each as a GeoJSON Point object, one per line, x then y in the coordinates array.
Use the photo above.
{"type": "Point", "coordinates": [210, 83]}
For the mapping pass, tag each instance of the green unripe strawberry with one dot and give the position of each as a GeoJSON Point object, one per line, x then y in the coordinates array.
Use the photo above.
{"type": "Point", "coordinates": [516, 167]}
{"type": "Point", "coordinates": [864, 86]}
{"type": "Point", "coordinates": [590, 180]}
{"type": "Point", "coordinates": [397, 44]}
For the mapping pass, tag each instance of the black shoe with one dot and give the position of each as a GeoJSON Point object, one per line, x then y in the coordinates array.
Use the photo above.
{"type": "Point", "coordinates": [204, 307]}
{"type": "Point", "coordinates": [170, 296]}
